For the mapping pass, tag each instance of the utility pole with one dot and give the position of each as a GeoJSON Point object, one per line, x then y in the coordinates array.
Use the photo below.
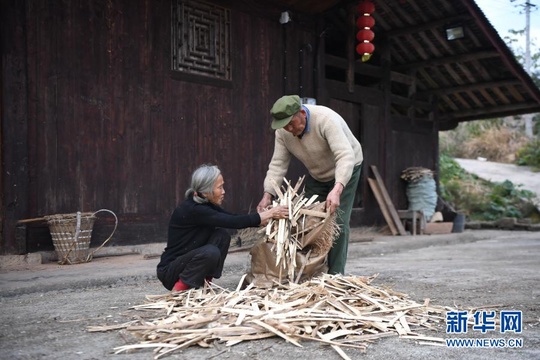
{"type": "Point", "coordinates": [528, 5]}
{"type": "Point", "coordinates": [528, 118]}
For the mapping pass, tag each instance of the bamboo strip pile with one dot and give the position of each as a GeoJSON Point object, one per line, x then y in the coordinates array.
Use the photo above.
{"type": "Point", "coordinates": [340, 311]}
{"type": "Point", "coordinates": [288, 235]}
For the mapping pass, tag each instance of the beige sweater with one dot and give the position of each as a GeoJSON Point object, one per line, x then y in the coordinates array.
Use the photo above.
{"type": "Point", "coordinates": [328, 151]}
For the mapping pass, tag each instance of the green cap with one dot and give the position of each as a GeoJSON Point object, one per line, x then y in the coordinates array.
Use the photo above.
{"type": "Point", "coordinates": [284, 109]}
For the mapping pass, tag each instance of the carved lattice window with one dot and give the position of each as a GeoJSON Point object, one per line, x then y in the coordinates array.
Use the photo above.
{"type": "Point", "coordinates": [201, 39]}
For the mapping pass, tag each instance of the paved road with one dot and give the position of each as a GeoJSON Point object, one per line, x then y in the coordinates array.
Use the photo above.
{"type": "Point", "coordinates": [499, 172]}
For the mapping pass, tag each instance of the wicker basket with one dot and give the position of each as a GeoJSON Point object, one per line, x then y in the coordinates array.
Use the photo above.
{"type": "Point", "coordinates": [71, 235]}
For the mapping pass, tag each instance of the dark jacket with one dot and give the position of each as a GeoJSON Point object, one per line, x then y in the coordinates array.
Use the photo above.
{"type": "Point", "coordinates": [192, 224]}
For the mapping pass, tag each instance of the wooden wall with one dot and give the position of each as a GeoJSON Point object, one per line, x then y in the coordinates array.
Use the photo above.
{"type": "Point", "coordinates": [93, 117]}
{"type": "Point", "coordinates": [108, 126]}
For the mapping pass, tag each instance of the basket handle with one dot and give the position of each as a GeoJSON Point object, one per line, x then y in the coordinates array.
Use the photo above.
{"type": "Point", "coordinates": [110, 236]}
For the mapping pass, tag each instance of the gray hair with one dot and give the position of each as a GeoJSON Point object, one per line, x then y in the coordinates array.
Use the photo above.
{"type": "Point", "coordinates": [202, 181]}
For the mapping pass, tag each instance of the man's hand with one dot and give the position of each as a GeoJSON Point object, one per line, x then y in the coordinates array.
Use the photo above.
{"type": "Point", "coordinates": [265, 202]}
{"type": "Point", "coordinates": [332, 200]}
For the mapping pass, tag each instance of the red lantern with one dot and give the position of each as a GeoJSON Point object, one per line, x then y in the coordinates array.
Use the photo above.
{"type": "Point", "coordinates": [365, 22]}
{"type": "Point", "coordinates": [365, 48]}
{"type": "Point", "coordinates": [366, 7]}
{"type": "Point", "coordinates": [365, 35]}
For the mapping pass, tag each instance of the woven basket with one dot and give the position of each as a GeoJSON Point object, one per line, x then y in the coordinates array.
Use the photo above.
{"type": "Point", "coordinates": [71, 235]}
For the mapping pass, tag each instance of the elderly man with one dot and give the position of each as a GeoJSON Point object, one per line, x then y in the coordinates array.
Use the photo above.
{"type": "Point", "coordinates": [321, 139]}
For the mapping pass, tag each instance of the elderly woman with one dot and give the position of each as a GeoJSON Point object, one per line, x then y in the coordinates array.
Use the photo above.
{"type": "Point", "coordinates": [197, 242]}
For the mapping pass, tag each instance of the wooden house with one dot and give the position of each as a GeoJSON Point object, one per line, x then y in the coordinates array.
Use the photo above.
{"type": "Point", "coordinates": [112, 104]}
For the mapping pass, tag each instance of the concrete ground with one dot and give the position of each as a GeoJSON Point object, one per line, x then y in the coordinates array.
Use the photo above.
{"type": "Point", "coordinates": [46, 308]}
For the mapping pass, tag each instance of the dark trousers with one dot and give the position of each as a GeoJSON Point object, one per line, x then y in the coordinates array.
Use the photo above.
{"type": "Point", "coordinates": [337, 257]}
{"type": "Point", "coordinates": [193, 267]}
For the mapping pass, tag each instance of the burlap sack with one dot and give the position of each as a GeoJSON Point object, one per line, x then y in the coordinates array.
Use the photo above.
{"type": "Point", "coordinates": [311, 256]}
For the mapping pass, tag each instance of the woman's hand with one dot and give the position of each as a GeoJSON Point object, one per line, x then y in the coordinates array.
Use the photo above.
{"type": "Point", "coordinates": [277, 212]}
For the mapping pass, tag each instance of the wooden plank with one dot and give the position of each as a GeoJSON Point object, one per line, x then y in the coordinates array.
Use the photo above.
{"type": "Point", "coordinates": [438, 228]}
{"type": "Point", "coordinates": [388, 201]}
{"type": "Point", "coordinates": [375, 188]}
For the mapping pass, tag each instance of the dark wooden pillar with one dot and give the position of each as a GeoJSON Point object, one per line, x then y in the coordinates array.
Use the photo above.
{"type": "Point", "coordinates": [320, 64]}
{"type": "Point", "coordinates": [385, 143]}
{"type": "Point", "coordinates": [351, 42]}
{"type": "Point", "coordinates": [14, 129]}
